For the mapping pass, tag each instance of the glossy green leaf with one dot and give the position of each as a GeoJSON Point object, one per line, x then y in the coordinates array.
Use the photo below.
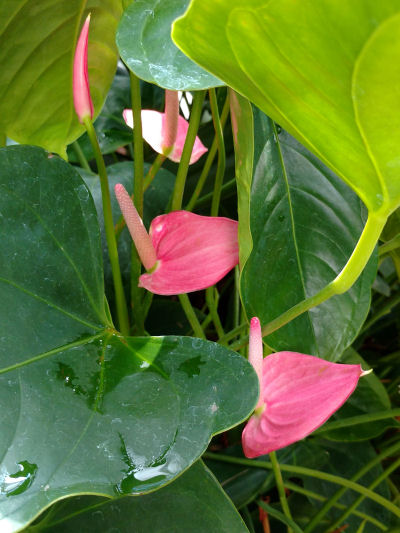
{"type": "Point", "coordinates": [304, 224]}
{"type": "Point", "coordinates": [187, 504]}
{"type": "Point", "coordinates": [326, 72]}
{"type": "Point", "coordinates": [38, 43]}
{"type": "Point", "coordinates": [145, 45]}
{"type": "Point", "coordinates": [87, 410]}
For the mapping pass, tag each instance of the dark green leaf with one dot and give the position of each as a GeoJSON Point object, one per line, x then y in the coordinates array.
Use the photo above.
{"type": "Point", "coordinates": [304, 225]}
{"type": "Point", "coordinates": [145, 45]}
{"type": "Point", "coordinates": [187, 504]}
{"type": "Point", "coordinates": [89, 411]}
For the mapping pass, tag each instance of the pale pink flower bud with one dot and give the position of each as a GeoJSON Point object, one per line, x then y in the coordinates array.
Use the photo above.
{"type": "Point", "coordinates": [81, 92]}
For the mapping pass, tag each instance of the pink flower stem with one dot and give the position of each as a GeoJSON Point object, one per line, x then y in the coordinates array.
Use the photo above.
{"type": "Point", "coordinates": [195, 116]}
{"type": "Point", "coordinates": [171, 121]}
{"type": "Point", "coordinates": [122, 309]}
{"type": "Point", "coordinates": [219, 177]}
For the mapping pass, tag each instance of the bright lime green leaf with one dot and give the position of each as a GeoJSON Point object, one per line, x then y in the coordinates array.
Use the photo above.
{"type": "Point", "coordinates": [327, 72]}
{"type": "Point", "coordinates": [144, 42]}
{"type": "Point", "coordinates": [185, 505]}
{"type": "Point", "coordinates": [36, 54]}
{"type": "Point", "coordinates": [89, 411]}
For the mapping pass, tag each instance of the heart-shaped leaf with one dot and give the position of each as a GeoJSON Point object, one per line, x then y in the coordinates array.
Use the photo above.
{"type": "Point", "coordinates": [186, 504]}
{"type": "Point", "coordinates": [303, 224]}
{"type": "Point", "coordinates": [38, 44]}
{"type": "Point", "coordinates": [145, 45]}
{"type": "Point", "coordinates": [327, 72]}
{"type": "Point", "coordinates": [87, 410]}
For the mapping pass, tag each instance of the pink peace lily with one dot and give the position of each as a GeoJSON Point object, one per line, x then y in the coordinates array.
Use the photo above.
{"type": "Point", "coordinates": [183, 252]}
{"type": "Point", "coordinates": [80, 84]}
{"type": "Point", "coordinates": [166, 132]}
{"type": "Point", "coordinates": [298, 393]}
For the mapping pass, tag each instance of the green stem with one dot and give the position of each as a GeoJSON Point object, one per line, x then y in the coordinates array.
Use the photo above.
{"type": "Point", "coordinates": [338, 494]}
{"type": "Point", "coordinates": [313, 495]}
{"type": "Point", "coordinates": [280, 486]}
{"type": "Point", "coordinates": [194, 123]}
{"type": "Point", "coordinates": [191, 315]}
{"type": "Point", "coordinates": [351, 271]}
{"type": "Point", "coordinates": [360, 419]}
{"type": "Point", "coordinates": [309, 472]}
{"type": "Point", "coordinates": [219, 135]}
{"type": "Point", "coordinates": [384, 310]}
{"type": "Point", "coordinates": [228, 189]}
{"type": "Point", "coordinates": [209, 161]}
{"type": "Point", "coordinates": [155, 167]}
{"type": "Point", "coordinates": [234, 333]}
{"type": "Point", "coordinates": [122, 310]}
{"type": "Point", "coordinates": [137, 143]}
{"type": "Point", "coordinates": [81, 156]}
{"type": "Point", "coordinates": [211, 303]}
{"type": "Point", "coordinates": [389, 246]}
{"type": "Point", "coordinates": [243, 341]}
{"type": "Point", "coordinates": [292, 526]}
{"type": "Point", "coordinates": [357, 502]}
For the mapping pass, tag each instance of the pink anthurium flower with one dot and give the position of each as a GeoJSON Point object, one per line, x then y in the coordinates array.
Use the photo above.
{"type": "Point", "coordinates": [166, 132]}
{"type": "Point", "coordinates": [184, 252]}
{"type": "Point", "coordinates": [81, 92]}
{"type": "Point", "coordinates": [298, 393]}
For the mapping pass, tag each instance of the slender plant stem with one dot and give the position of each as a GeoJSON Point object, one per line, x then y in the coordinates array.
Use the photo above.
{"type": "Point", "coordinates": [237, 345]}
{"type": "Point", "coordinates": [81, 156]}
{"type": "Point", "coordinates": [155, 167]}
{"type": "Point", "coordinates": [389, 246]}
{"type": "Point", "coordinates": [137, 142]}
{"type": "Point", "coordinates": [313, 495]}
{"type": "Point", "coordinates": [280, 486]}
{"type": "Point", "coordinates": [228, 189]}
{"type": "Point", "coordinates": [138, 191]}
{"type": "Point", "coordinates": [351, 271]}
{"type": "Point", "coordinates": [292, 526]}
{"type": "Point", "coordinates": [357, 502]}
{"type": "Point", "coordinates": [360, 419]}
{"type": "Point", "coordinates": [122, 310]}
{"type": "Point", "coordinates": [209, 161]}
{"type": "Point", "coordinates": [194, 123]}
{"type": "Point", "coordinates": [219, 135]}
{"type": "Point", "coordinates": [212, 306]}
{"type": "Point", "coordinates": [384, 310]}
{"type": "Point", "coordinates": [234, 333]}
{"type": "Point", "coordinates": [191, 315]}
{"type": "Point", "coordinates": [338, 494]}
{"type": "Point", "coordinates": [309, 472]}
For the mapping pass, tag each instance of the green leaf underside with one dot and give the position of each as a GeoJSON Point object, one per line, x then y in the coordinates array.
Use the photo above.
{"type": "Point", "coordinates": [326, 72]}
{"type": "Point", "coordinates": [145, 45]}
{"type": "Point", "coordinates": [304, 223]}
{"type": "Point", "coordinates": [89, 411]}
{"type": "Point", "coordinates": [187, 504]}
{"type": "Point", "coordinates": [36, 103]}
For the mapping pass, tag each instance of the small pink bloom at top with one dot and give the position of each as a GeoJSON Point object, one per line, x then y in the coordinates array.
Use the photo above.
{"type": "Point", "coordinates": [298, 393]}
{"type": "Point", "coordinates": [184, 252]}
{"type": "Point", "coordinates": [81, 92]}
{"type": "Point", "coordinates": [166, 132]}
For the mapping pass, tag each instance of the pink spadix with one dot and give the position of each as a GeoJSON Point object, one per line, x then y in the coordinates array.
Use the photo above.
{"type": "Point", "coordinates": [166, 132]}
{"type": "Point", "coordinates": [298, 393]}
{"type": "Point", "coordinates": [183, 252]}
{"type": "Point", "coordinates": [80, 84]}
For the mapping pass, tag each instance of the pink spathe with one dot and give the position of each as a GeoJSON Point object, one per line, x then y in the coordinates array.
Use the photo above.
{"type": "Point", "coordinates": [153, 131]}
{"type": "Point", "coordinates": [298, 393]}
{"type": "Point", "coordinates": [191, 252]}
{"type": "Point", "coordinates": [80, 84]}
